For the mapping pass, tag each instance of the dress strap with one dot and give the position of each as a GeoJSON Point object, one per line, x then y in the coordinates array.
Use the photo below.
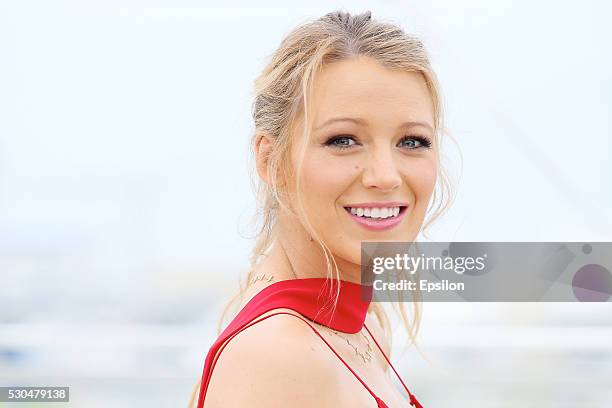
{"type": "Point", "coordinates": [255, 321]}
{"type": "Point", "coordinates": [413, 401]}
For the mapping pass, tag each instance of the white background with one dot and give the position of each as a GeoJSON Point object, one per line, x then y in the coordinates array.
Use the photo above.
{"type": "Point", "coordinates": [125, 199]}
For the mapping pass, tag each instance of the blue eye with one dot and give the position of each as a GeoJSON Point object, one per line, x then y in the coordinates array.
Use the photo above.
{"type": "Point", "coordinates": [341, 142]}
{"type": "Point", "coordinates": [416, 142]}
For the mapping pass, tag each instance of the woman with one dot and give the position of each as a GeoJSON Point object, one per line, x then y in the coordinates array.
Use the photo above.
{"type": "Point", "coordinates": [346, 143]}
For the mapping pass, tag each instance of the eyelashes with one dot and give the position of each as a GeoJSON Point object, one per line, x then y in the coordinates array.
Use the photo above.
{"type": "Point", "coordinates": [415, 142]}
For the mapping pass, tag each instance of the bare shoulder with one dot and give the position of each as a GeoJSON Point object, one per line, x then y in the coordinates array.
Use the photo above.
{"type": "Point", "coordinates": [277, 362]}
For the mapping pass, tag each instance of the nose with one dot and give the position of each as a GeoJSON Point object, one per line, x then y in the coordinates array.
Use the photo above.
{"type": "Point", "coordinates": [380, 171]}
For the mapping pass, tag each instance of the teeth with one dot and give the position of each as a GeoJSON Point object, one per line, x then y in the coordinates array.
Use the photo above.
{"type": "Point", "coordinates": [375, 212]}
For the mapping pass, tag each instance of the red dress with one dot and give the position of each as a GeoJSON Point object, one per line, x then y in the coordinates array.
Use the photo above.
{"type": "Point", "coordinates": [310, 298]}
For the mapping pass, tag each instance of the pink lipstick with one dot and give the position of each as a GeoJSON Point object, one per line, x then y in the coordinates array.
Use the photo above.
{"type": "Point", "coordinates": [376, 223]}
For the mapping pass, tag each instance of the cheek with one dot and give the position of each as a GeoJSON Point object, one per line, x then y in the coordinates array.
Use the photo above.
{"type": "Point", "coordinates": [421, 176]}
{"type": "Point", "coordinates": [324, 180]}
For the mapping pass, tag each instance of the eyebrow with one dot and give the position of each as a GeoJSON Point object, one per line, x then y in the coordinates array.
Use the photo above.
{"type": "Point", "coordinates": [364, 122]}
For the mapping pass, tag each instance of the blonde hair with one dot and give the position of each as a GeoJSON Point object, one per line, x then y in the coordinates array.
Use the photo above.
{"type": "Point", "coordinates": [282, 94]}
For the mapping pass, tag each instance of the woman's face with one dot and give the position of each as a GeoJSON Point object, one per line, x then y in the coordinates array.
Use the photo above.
{"type": "Point", "coordinates": [370, 165]}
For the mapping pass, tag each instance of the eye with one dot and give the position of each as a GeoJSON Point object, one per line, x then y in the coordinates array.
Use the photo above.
{"type": "Point", "coordinates": [341, 142]}
{"type": "Point", "coordinates": [415, 142]}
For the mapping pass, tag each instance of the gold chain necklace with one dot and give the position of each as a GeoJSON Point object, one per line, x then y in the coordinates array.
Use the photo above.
{"type": "Point", "coordinates": [366, 356]}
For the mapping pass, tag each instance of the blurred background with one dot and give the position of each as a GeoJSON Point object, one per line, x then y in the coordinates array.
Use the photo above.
{"type": "Point", "coordinates": [125, 201]}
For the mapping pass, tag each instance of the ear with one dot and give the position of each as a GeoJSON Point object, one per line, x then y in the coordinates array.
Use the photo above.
{"type": "Point", "coordinates": [263, 148]}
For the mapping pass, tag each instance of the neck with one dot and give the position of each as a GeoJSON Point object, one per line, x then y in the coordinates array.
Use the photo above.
{"type": "Point", "coordinates": [293, 256]}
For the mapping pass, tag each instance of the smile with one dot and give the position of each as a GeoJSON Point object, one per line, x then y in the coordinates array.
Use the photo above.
{"type": "Point", "coordinates": [377, 218]}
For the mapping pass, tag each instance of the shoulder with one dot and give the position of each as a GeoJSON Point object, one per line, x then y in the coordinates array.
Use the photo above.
{"type": "Point", "coordinates": [279, 361]}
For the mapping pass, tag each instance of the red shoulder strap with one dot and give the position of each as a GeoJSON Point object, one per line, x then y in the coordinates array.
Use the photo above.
{"type": "Point", "coordinates": [301, 296]}
{"type": "Point", "coordinates": [211, 360]}
{"type": "Point", "coordinates": [413, 401]}
{"type": "Point", "coordinates": [304, 296]}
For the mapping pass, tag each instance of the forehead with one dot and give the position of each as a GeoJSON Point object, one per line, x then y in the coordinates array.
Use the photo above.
{"type": "Point", "coordinates": [362, 87]}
